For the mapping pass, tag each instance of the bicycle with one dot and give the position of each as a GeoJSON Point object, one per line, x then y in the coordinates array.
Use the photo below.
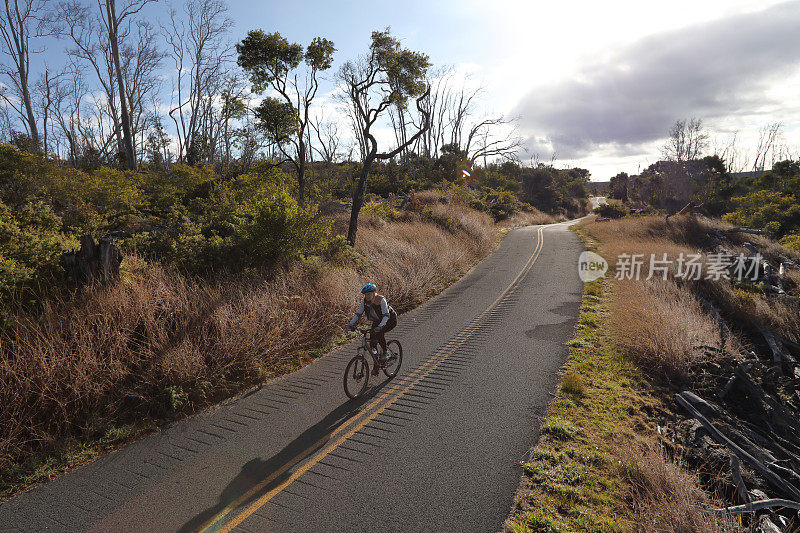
{"type": "Point", "coordinates": [356, 374]}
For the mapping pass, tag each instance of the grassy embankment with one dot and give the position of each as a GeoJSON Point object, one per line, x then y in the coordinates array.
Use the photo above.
{"type": "Point", "coordinates": [91, 373]}
{"type": "Point", "coordinates": [604, 462]}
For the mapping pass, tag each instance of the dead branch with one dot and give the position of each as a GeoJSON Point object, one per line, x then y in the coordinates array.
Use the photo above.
{"type": "Point", "coordinates": [757, 506]}
{"type": "Point", "coordinates": [685, 400]}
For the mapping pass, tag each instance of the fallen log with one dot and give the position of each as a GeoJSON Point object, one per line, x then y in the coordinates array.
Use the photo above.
{"type": "Point", "coordinates": [786, 341]}
{"type": "Point", "coordinates": [758, 505]}
{"type": "Point", "coordinates": [772, 478]}
{"type": "Point", "coordinates": [779, 356]}
{"type": "Point", "coordinates": [776, 412]}
{"type": "Point", "coordinates": [737, 478]}
{"type": "Point", "coordinates": [752, 231]}
{"type": "Point", "coordinates": [750, 441]}
{"type": "Point", "coordinates": [724, 331]}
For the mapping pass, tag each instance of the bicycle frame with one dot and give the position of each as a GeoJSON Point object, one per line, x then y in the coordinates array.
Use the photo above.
{"type": "Point", "coordinates": [365, 347]}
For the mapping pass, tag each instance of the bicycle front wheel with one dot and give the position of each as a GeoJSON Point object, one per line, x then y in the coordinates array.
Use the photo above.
{"type": "Point", "coordinates": [394, 359]}
{"type": "Point", "coordinates": [356, 377]}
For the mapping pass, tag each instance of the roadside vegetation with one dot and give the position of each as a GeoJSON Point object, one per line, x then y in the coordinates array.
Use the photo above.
{"type": "Point", "coordinates": [617, 451]}
{"type": "Point", "coordinates": [600, 463]}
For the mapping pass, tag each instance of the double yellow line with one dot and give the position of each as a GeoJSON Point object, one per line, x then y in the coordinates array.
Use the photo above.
{"type": "Point", "coordinates": [367, 415]}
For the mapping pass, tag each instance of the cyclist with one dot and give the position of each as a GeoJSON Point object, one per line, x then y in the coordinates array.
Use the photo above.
{"type": "Point", "coordinates": [383, 317]}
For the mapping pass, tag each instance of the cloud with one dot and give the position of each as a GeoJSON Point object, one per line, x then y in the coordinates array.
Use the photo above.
{"type": "Point", "coordinates": [625, 99]}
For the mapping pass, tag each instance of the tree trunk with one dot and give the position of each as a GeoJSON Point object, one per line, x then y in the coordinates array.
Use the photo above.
{"type": "Point", "coordinates": [26, 99]}
{"type": "Point", "coordinates": [20, 37]}
{"type": "Point", "coordinates": [125, 116]}
{"type": "Point", "coordinates": [358, 199]}
{"type": "Point", "coordinates": [301, 170]}
{"type": "Point", "coordinates": [94, 262]}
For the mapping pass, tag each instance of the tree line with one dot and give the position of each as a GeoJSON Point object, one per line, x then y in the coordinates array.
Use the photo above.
{"type": "Point", "coordinates": [223, 103]}
{"type": "Point", "coordinates": [758, 188]}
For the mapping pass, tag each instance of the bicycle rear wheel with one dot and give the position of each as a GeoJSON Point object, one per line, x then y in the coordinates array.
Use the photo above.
{"type": "Point", "coordinates": [356, 377]}
{"type": "Point", "coordinates": [394, 358]}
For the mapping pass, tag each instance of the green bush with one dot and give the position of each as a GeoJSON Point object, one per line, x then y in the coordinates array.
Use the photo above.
{"type": "Point", "coordinates": [772, 211]}
{"type": "Point", "coordinates": [383, 210]}
{"type": "Point", "coordinates": [185, 239]}
{"type": "Point", "coordinates": [791, 241]}
{"type": "Point", "coordinates": [500, 204]}
{"type": "Point", "coordinates": [610, 211]}
{"type": "Point", "coordinates": [280, 228]}
{"type": "Point", "coordinates": [31, 243]}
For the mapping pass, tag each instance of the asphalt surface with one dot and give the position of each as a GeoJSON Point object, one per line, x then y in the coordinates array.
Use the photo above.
{"type": "Point", "coordinates": [435, 449]}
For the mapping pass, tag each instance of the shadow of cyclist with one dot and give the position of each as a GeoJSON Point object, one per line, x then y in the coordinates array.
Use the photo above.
{"type": "Point", "coordinates": [257, 477]}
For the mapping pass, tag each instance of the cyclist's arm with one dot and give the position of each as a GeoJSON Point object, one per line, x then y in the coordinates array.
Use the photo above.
{"type": "Point", "coordinates": [357, 316]}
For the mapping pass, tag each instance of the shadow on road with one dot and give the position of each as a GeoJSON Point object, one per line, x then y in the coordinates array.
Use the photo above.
{"type": "Point", "coordinates": [256, 471]}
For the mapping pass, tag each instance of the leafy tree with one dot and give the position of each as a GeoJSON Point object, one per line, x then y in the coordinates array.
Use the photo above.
{"type": "Point", "coordinates": [389, 75]}
{"type": "Point", "coordinates": [272, 62]}
{"type": "Point", "coordinates": [619, 186]}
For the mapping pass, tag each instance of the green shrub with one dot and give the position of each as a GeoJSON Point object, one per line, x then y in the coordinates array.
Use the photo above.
{"type": "Point", "coordinates": [772, 211]}
{"type": "Point", "coordinates": [31, 243]}
{"type": "Point", "coordinates": [791, 241]}
{"type": "Point", "coordinates": [383, 210]}
{"type": "Point", "coordinates": [610, 211]}
{"type": "Point", "coordinates": [500, 204]}
{"type": "Point", "coordinates": [280, 228]}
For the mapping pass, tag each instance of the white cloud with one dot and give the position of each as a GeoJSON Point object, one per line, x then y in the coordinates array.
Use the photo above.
{"type": "Point", "coordinates": [732, 72]}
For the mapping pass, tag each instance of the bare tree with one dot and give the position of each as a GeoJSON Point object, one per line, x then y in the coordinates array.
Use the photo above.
{"type": "Point", "coordinates": [47, 92]}
{"type": "Point", "coordinates": [734, 158]}
{"type": "Point", "coordinates": [327, 133]}
{"type": "Point", "coordinates": [437, 105]}
{"type": "Point", "coordinates": [128, 8]}
{"type": "Point", "coordinates": [21, 24]}
{"type": "Point", "coordinates": [687, 141]}
{"type": "Point", "coordinates": [141, 61]}
{"type": "Point", "coordinates": [199, 50]}
{"type": "Point", "coordinates": [767, 137]}
{"type": "Point", "coordinates": [486, 139]}
{"type": "Point", "coordinates": [91, 47]}
{"type": "Point", "coordinates": [234, 107]}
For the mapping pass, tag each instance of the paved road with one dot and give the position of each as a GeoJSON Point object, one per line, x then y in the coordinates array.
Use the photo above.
{"type": "Point", "coordinates": [435, 449]}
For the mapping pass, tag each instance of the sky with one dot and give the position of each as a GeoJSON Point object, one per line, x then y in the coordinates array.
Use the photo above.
{"type": "Point", "coordinates": [593, 84]}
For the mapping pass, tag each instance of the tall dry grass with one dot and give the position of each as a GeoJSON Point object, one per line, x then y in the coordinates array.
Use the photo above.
{"type": "Point", "coordinates": [694, 235]}
{"type": "Point", "coordinates": [529, 218]}
{"type": "Point", "coordinates": [663, 327]}
{"type": "Point", "coordinates": [161, 344]}
{"type": "Point", "coordinates": [667, 498]}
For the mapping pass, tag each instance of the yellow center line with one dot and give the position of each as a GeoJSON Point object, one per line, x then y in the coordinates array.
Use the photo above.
{"type": "Point", "coordinates": [366, 416]}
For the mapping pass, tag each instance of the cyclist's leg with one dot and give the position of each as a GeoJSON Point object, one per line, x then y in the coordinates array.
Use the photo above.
{"type": "Point", "coordinates": [389, 326]}
{"type": "Point", "coordinates": [374, 338]}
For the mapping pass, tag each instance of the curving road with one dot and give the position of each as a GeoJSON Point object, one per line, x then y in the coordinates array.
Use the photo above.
{"type": "Point", "coordinates": [436, 449]}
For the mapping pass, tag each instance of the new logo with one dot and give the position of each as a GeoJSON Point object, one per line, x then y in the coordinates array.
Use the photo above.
{"type": "Point", "coordinates": [591, 266]}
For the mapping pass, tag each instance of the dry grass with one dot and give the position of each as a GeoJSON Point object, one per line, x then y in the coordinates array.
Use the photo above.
{"type": "Point", "coordinates": [662, 327]}
{"type": "Point", "coordinates": [529, 218]}
{"type": "Point", "coordinates": [160, 344]}
{"type": "Point", "coordinates": [666, 498]}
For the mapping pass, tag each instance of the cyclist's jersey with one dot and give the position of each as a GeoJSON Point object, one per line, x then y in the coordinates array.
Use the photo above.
{"type": "Point", "coordinates": [375, 311]}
